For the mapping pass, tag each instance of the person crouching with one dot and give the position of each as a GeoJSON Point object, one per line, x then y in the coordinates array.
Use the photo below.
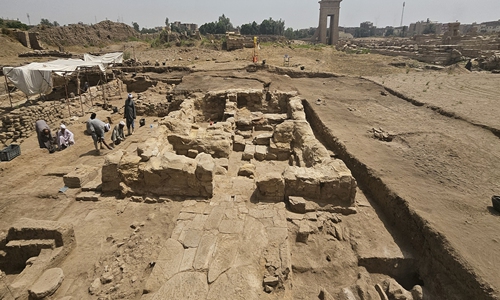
{"type": "Point", "coordinates": [64, 138]}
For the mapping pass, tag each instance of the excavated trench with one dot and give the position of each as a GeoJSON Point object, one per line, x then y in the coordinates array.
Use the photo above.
{"type": "Point", "coordinates": [436, 261]}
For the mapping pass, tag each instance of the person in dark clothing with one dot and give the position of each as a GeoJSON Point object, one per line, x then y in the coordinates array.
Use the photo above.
{"type": "Point", "coordinates": [97, 128]}
{"type": "Point", "coordinates": [130, 113]}
{"type": "Point", "coordinates": [45, 139]}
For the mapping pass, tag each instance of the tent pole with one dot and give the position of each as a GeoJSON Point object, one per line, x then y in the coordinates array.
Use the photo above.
{"type": "Point", "coordinates": [67, 99]}
{"type": "Point", "coordinates": [90, 91]}
{"type": "Point", "coordinates": [79, 90]}
{"type": "Point", "coordinates": [8, 90]}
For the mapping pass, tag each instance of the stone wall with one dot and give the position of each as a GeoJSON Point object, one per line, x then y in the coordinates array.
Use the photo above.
{"type": "Point", "coordinates": [162, 174]}
{"type": "Point", "coordinates": [20, 123]}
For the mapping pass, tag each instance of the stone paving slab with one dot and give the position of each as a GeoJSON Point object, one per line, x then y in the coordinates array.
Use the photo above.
{"type": "Point", "coordinates": [226, 242]}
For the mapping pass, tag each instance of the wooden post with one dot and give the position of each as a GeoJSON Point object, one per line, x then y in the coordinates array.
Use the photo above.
{"type": "Point", "coordinates": [79, 90]}
{"type": "Point", "coordinates": [67, 98]}
{"type": "Point", "coordinates": [90, 91]}
{"type": "Point", "coordinates": [8, 90]}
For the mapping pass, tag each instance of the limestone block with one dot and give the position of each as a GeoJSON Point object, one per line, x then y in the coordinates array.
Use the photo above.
{"type": "Point", "coordinates": [242, 282]}
{"type": "Point", "coordinates": [238, 143]}
{"type": "Point", "coordinates": [244, 124]}
{"type": "Point", "coordinates": [80, 176]}
{"type": "Point", "coordinates": [275, 118]}
{"type": "Point", "coordinates": [87, 196]}
{"type": "Point", "coordinates": [283, 133]}
{"type": "Point", "coordinates": [205, 166]}
{"type": "Point", "coordinates": [281, 151]}
{"type": "Point", "coordinates": [297, 204]}
{"type": "Point", "coordinates": [245, 134]}
{"type": "Point", "coordinates": [185, 285]}
{"type": "Point", "coordinates": [223, 162]}
{"type": "Point", "coordinates": [187, 259]}
{"type": "Point", "coordinates": [224, 255]}
{"type": "Point", "coordinates": [271, 187]}
{"type": "Point", "coordinates": [304, 231]}
{"type": "Point", "coordinates": [47, 284]}
{"type": "Point", "coordinates": [167, 265]}
{"type": "Point", "coordinates": [249, 152]}
{"type": "Point", "coordinates": [295, 109]}
{"type": "Point", "coordinates": [148, 149]}
{"type": "Point", "coordinates": [260, 152]}
{"type": "Point", "coordinates": [204, 251]}
{"type": "Point", "coordinates": [263, 138]}
{"type": "Point", "coordinates": [247, 170]}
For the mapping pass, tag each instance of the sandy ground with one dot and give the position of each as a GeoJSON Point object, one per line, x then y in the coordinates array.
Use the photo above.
{"type": "Point", "coordinates": [445, 168]}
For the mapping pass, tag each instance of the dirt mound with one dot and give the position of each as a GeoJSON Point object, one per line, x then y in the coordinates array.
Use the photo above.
{"type": "Point", "coordinates": [100, 34]}
{"type": "Point", "coordinates": [10, 46]}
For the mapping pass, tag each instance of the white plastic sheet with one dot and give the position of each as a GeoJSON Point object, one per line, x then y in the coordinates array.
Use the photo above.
{"type": "Point", "coordinates": [106, 59]}
{"type": "Point", "coordinates": [36, 78]}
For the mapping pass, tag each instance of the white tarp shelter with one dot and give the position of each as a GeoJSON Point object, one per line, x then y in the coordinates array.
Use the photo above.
{"type": "Point", "coordinates": [36, 78]}
{"type": "Point", "coordinates": [106, 59]}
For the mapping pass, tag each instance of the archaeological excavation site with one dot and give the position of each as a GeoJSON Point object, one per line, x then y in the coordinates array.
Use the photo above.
{"type": "Point", "coordinates": [255, 168]}
{"type": "Point", "coordinates": [240, 185]}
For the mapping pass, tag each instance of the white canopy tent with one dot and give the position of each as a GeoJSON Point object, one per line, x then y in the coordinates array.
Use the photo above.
{"type": "Point", "coordinates": [36, 78]}
{"type": "Point", "coordinates": [106, 59]}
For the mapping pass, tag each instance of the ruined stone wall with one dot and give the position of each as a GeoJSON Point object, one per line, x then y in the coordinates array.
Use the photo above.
{"type": "Point", "coordinates": [20, 123]}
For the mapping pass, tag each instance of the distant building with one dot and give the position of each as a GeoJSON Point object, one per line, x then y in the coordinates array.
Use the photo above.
{"type": "Point", "coordinates": [186, 26]}
{"type": "Point", "coordinates": [490, 27]}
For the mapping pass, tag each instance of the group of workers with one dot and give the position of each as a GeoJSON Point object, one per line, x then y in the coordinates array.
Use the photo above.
{"type": "Point", "coordinates": [95, 127]}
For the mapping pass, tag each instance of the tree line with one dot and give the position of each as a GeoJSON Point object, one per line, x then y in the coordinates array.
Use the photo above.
{"type": "Point", "coordinates": [266, 27]}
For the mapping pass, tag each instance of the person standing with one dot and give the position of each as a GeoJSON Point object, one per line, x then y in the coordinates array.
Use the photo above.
{"type": "Point", "coordinates": [45, 139]}
{"type": "Point", "coordinates": [97, 128]}
{"type": "Point", "coordinates": [118, 136]}
{"type": "Point", "coordinates": [64, 138]}
{"type": "Point", "coordinates": [130, 113]}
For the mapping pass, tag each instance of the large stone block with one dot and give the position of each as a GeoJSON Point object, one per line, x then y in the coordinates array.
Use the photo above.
{"type": "Point", "coordinates": [271, 187]}
{"type": "Point", "coordinates": [283, 133]}
{"type": "Point", "coordinates": [239, 143]}
{"type": "Point", "coordinates": [80, 176]}
{"type": "Point", "coordinates": [249, 152]}
{"type": "Point", "coordinates": [110, 173]}
{"type": "Point", "coordinates": [263, 138]}
{"type": "Point", "coordinates": [322, 184]}
{"type": "Point", "coordinates": [260, 152]}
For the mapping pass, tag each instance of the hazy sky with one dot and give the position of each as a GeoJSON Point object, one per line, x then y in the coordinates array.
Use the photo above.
{"type": "Point", "coordinates": [296, 13]}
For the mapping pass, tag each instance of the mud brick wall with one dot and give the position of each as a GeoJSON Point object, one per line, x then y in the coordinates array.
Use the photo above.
{"type": "Point", "coordinates": [20, 123]}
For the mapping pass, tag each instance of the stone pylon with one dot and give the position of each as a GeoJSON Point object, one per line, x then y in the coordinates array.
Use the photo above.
{"type": "Point", "coordinates": [328, 8]}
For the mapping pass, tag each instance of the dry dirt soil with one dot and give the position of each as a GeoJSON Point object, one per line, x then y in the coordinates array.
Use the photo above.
{"type": "Point", "coordinates": [433, 181]}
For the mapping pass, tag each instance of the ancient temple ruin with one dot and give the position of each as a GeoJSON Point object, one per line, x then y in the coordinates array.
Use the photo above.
{"type": "Point", "coordinates": [328, 32]}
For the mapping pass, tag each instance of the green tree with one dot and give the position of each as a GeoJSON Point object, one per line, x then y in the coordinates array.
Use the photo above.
{"type": "Point", "coordinates": [56, 23]}
{"type": "Point", "coordinates": [46, 22]}
{"type": "Point", "coordinates": [389, 32]}
{"type": "Point", "coordinates": [136, 26]}
{"type": "Point", "coordinates": [225, 22]}
{"type": "Point", "coordinates": [166, 22]}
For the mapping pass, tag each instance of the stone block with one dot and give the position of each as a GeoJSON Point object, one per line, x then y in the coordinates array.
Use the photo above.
{"type": "Point", "coordinates": [80, 176]}
{"type": "Point", "coordinates": [271, 187]}
{"type": "Point", "coordinates": [192, 153]}
{"type": "Point", "coordinates": [283, 133]}
{"type": "Point", "coordinates": [303, 233]}
{"type": "Point", "coordinates": [249, 152]}
{"type": "Point", "coordinates": [167, 265]}
{"type": "Point", "coordinates": [260, 152]}
{"type": "Point", "coordinates": [297, 204]}
{"type": "Point", "coordinates": [238, 143]}
{"type": "Point", "coordinates": [263, 138]}
{"type": "Point", "coordinates": [247, 170]}
{"type": "Point", "coordinates": [47, 284]}
{"type": "Point", "coordinates": [87, 196]}
{"type": "Point", "coordinates": [223, 162]}
{"type": "Point", "coordinates": [281, 151]}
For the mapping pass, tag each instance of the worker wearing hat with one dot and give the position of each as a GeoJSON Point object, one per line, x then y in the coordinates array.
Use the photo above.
{"type": "Point", "coordinates": [64, 138]}
{"type": "Point", "coordinates": [118, 135]}
{"type": "Point", "coordinates": [130, 113]}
